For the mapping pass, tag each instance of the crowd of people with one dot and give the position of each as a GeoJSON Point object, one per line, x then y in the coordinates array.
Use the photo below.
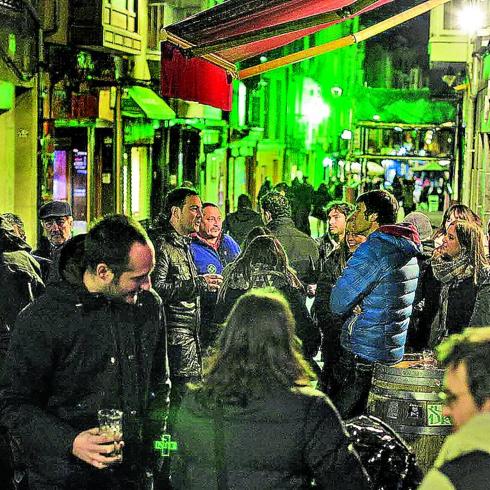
{"type": "Point", "coordinates": [198, 330]}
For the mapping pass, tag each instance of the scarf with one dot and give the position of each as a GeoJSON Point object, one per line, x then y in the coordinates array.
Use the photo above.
{"type": "Point", "coordinates": [448, 272]}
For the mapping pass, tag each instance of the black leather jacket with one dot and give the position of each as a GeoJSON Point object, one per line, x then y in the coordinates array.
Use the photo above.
{"type": "Point", "coordinates": [176, 280]}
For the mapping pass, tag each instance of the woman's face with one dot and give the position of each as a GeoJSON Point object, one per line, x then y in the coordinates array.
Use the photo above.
{"type": "Point", "coordinates": [353, 239]}
{"type": "Point", "coordinates": [452, 217]}
{"type": "Point", "coordinates": [450, 242]}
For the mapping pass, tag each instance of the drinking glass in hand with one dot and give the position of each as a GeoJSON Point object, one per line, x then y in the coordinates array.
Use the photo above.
{"type": "Point", "coordinates": [110, 425]}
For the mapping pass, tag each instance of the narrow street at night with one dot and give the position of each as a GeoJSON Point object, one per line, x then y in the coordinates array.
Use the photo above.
{"type": "Point", "coordinates": [244, 244]}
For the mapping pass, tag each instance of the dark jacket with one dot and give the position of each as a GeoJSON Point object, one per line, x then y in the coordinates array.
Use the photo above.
{"type": "Point", "coordinates": [426, 300]}
{"type": "Point", "coordinates": [20, 282]}
{"type": "Point", "coordinates": [48, 257]}
{"type": "Point", "coordinates": [73, 353]}
{"type": "Point", "coordinates": [176, 280]}
{"type": "Point", "coordinates": [481, 310]}
{"type": "Point", "coordinates": [280, 441]}
{"type": "Point", "coordinates": [329, 324]}
{"type": "Point", "coordinates": [239, 223]}
{"type": "Point", "coordinates": [380, 277]}
{"type": "Point", "coordinates": [301, 249]}
{"type": "Point", "coordinates": [468, 305]}
{"type": "Point", "coordinates": [306, 330]}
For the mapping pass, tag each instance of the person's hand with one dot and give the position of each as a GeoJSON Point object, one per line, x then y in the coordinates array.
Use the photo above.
{"type": "Point", "coordinates": [311, 290]}
{"type": "Point", "coordinates": [357, 310]}
{"type": "Point", "coordinates": [213, 281]}
{"type": "Point", "coordinates": [93, 448]}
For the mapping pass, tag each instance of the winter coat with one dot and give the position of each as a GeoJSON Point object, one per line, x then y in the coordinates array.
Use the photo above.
{"type": "Point", "coordinates": [464, 459]}
{"type": "Point", "coordinates": [301, 249]}
{"type": "Point", "coordinates": [48, 257]}
{"type": "Point", "coordinates": [176, 280]}
{"type": "Point", "coordinates": [211, 261]}
{"type": "Point", "coordinates": [73, 353]}
{"type": "Point", "coordinates": [239, 223]}
{"type": "Point", "coordinates": [329, 324]}
{"type": "Point", "coordinates": [481, 310]}
{"type": "Point", "coordinates": [306, 330]}
{"type": "Point", "coordinates": [468, 305]}
{"type": "Point", "coordinates": [20, 282]}
{"type": "Point", "coordinates": [279, 441]}
{"type": "Point", "coordinates": [381, 278]}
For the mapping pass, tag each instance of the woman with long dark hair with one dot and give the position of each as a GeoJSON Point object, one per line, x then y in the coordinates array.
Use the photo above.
{"type": "Point", "coordinates": [264, 264]}
{"type": "Point", "coordinates": [254, 421]}
{"type": "Point", "coordinates": [462, 272]}
{"type": "Point", "coordinates": [455, 212]}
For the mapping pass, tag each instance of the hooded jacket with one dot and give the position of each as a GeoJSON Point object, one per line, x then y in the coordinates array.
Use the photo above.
{"type": "Point", "coordinates": [20, 281]}
{"type": "Point", "coordinates": [72, 353]}
{"type": "Point", "coordinates": [464, 459]}
{"type": "Point", "coordinates": [381, 278]}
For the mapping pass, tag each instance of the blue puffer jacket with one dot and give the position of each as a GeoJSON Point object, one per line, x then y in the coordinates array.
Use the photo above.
{"type": "Point", "coordinates": [210, 261]}
{"type": "Point", "coordinates": [381, 277]}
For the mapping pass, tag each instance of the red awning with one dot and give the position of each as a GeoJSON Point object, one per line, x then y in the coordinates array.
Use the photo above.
{"type": "Point", "coordinates": [236, 30]}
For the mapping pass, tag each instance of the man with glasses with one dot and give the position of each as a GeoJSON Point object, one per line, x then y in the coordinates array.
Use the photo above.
{"type": "Point", "coordinates": [464, 460]}
{"type": "Point", "coordinates": [57, 222]}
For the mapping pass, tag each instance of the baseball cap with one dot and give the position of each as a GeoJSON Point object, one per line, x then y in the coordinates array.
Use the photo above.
{"type": "Point", "coordinates": [55, 209]}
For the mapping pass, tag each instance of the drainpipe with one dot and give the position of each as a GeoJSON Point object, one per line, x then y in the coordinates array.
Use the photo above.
{"type": "Point", "coordinates": [473, 70]}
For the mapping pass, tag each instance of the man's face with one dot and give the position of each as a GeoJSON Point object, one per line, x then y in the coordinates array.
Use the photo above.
{"type": "Point", "coordinates": [450, 243]}
{"type": "Point", "coordinates": [137, 278]}
{"type": "Point", "coordinates": [336, 222]}
{"type": "Point", "coordinates": [211, 223]}
{"type": "Point", "coordinates": [460, 404]}
{"type": "Point", "coordinates": [58, 229]}
{"type": "Point", "coordinates": [190, 215]}
{"type": "Point", "coordinates": [360, 221]}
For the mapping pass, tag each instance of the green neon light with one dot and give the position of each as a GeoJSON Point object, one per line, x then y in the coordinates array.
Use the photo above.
{"type": "Point", "coordinates": [165, 445]}
{"type": "Point", "coordinates": [12, 44]}
{"type": "Point", "coordinates": [7, 94]}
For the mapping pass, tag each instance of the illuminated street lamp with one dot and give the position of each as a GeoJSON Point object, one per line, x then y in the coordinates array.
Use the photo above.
{"type": "Point", "coordinates": [471, 18]}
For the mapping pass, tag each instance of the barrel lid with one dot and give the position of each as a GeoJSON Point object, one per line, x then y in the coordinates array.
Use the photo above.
{"type": "Point", "coordinates": [414, 372]}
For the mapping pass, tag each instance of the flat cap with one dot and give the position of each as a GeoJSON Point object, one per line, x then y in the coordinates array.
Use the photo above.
{"type": "Point", "coordinates": [55, 209]}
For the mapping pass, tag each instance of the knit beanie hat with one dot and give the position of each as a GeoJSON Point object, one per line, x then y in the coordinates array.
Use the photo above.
{"type": "Point", "coordinates": [422, 223]}
{"type": "Point", "coordinates": [277, 204]}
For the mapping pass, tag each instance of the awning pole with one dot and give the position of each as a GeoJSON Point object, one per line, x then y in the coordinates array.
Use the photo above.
{"type": "Point", "coordinates": [342, 42]}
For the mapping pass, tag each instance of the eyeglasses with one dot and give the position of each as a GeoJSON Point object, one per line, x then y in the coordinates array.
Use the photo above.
{"type": "Point", "coordinates": [51, 222]}
{"type": "Point", "coordinates": [448, 397]}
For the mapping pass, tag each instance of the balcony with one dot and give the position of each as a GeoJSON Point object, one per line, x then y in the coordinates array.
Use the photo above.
{"type": "Point", "coordinates": [107, 25]}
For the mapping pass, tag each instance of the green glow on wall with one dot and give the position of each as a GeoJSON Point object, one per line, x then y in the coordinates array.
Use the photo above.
{"type": "Point", "coordinates": [7, 95]}
{"type": "Point", "coordinates": [404, 106]}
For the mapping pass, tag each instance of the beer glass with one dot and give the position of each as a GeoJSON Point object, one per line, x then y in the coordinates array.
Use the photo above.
{"type": "Point", "coordinates": [110, 425]}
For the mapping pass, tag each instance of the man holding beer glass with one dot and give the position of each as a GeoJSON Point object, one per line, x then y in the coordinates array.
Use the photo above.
{"type": "Point", "coordinates": [93, 345]}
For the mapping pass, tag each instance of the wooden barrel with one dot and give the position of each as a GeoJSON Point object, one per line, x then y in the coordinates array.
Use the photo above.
{"type": "Point", "coordinates": [405, 396]}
